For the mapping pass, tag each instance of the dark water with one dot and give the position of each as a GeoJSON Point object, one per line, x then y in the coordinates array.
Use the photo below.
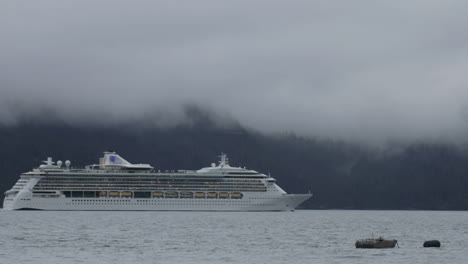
{"type": "Point", "coordinates": [207, 237]}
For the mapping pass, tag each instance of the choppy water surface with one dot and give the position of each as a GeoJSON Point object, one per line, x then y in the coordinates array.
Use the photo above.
{"type": "Point", "coordinates": [207, 237]}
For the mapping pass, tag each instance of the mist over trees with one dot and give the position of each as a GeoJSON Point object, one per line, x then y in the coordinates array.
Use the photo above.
{"type": "Point", "coordinates": [175, 85]}
{"type": "Point", "coordinates": [341, 175]}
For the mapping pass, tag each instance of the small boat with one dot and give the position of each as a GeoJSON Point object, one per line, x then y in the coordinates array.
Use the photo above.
{"type": "Point", "coordinates": [199, 195]}
{"type": "Point", "coordinates": [158, 194]}
{"type": "Point", "coordinates": [171, 195]}
{"type": "Point", "coordinates": [126, 194]}
{"type": "Point", "coordinates": [186, 195]}
{"type": "Point", "coordinates": [114, 194]}
{"type": "Point", "coordinates": [236, 195]}
{"type": "Point", "coordinates": [376, 243]}
{"type": "Point", "coordinates": [223, 195]}
{"type": "Point", "coordinates": [212, 195]}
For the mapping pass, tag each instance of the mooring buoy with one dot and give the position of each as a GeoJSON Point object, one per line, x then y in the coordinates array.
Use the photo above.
{"type": "Point", "coordinates": [432, 243]}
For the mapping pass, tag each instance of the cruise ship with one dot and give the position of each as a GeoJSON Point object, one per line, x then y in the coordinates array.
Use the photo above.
{"type": "Point", "coordinates": [116, 184]}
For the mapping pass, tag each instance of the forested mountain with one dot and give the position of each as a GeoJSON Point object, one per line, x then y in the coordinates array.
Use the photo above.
{"type": "Point", "coordinates": [341, 175]}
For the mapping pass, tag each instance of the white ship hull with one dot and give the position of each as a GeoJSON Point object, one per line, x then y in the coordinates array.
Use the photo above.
{"type": "Point", "coordinates": [138, 187]}
{"type": "Point", "coordinates": [285, 202]}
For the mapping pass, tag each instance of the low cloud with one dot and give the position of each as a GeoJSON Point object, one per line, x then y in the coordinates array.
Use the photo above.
{"type": "Point", "coordinates": [360, 71]}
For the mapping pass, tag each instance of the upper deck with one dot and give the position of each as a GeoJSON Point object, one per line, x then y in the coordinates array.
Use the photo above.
{"type": "Point", "coordinates": [114, 165]}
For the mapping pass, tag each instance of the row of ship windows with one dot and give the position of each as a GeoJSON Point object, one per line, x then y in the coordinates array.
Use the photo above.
{"type": "Point", "coordinates": [150, 178]}
{"type": "Point", "coordinates": [210, 184]}
{"type": "Point", "coordinates": [150, 184]}
{"type": "Point", "coordinates": [169, 203]}
{"type": "Point", "coordinates": [155, 185]}
{"type": "Point", "coordinates": [154, 203]}
{"type": "Point", "coordinates": [147, 179]}
{"type": "Point", "coordinates": [81, 189]}
{"type": "Point", "coordinates": [145, 183]}
{"type": "Point", "coordinates": [157, 195]}
{"type": "Point", "coordinates": [222, 176]}
{"type": "Point", "coordinates": [146, 190]}
{"type": "Point", "coordinates": [47, 187]}
{"type": "Point", "coordinates": [145, 200]}
{"type": "Point", "coordinates": [91, 188]}
{"type": "Point", "coordinates": [157, 201]}
{"type": "Point", "coordinates": [152, 181]}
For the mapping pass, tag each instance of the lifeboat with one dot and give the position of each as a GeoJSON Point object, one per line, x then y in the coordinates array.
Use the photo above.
{"type": "Point", "coordinates": [158, 194]}
{"type": "Point", "coordinates": [126, 194]}
{"type": "Point", "coordinates": [102, 194]}
{"type": "Point", "coordinates": [223, 195]}
{"type": "Point", "coordinates": [212, 195]}
{"type": "Point", "coordinates": [186, 195]}
{"type": "Point", "coordinates": [236, 195]}
{"type": "Point", "coordinates": [171, 195]}
{"type": "Point", "coordinates": [199, 195]}
{"type": "Point", "coordinates": [114, 194]}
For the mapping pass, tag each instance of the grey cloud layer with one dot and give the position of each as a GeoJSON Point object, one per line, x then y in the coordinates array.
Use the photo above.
{"type": "Point", "coordinates": [353, 70]}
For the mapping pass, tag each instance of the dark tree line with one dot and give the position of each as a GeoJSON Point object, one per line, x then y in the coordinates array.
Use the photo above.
{"type": "Point", "coordinates": [420, 176]}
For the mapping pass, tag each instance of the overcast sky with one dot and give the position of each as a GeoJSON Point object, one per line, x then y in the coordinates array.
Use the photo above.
{"type": "Point", "coordinates": [353, 70]}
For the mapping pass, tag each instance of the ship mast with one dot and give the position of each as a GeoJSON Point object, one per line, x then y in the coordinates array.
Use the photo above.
{"type": "Point", "coordinates": [224, 160]}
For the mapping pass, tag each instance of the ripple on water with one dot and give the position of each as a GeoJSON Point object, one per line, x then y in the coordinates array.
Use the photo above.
{"type": "Point", "coordinates": [204, 237]}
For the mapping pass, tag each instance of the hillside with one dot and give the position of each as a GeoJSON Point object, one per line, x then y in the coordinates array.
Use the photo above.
{"type": "Point", "coordinates": [420, 176]}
